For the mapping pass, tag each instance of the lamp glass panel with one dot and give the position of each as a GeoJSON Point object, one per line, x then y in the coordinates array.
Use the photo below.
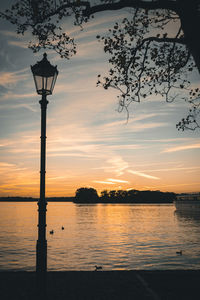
{"type": "Point", "coordinates": [54, 81]}
{"type": "Point", "coordinates": [49, 83]}
{"type": "Point", "coordinates": [38, 82]}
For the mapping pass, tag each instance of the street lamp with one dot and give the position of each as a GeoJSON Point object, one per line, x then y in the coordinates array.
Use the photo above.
{"type": "Point", "coordinates": [44, 75]}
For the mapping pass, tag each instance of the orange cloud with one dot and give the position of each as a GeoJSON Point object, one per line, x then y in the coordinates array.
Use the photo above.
{"type": "Point", "coordinates": [181, 148]}
{"type": "Point", "coordinates": [143, 174]}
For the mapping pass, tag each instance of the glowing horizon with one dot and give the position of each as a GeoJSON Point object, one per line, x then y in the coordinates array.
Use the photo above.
{"type": "Point", "coordinates": [89, 144]}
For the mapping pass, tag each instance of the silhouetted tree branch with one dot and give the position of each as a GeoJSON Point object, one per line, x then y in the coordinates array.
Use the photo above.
{"type": "Point", "coordinates": [146, 58]}
{"type": "Point", "coordinates": [191, 121]}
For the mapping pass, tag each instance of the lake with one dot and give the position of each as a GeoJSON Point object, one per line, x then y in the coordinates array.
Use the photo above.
{"type": "Point", "coordinates": [114, 236]}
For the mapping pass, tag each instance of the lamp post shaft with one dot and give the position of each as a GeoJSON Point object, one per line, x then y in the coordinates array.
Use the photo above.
{"type": "Point", "coordinates": [41, 259]}
{"type": "Point", "coordinates": [44, 75]}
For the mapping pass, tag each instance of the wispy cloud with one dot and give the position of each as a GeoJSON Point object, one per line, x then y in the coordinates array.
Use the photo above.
{"type": "Point", "coordinates": [118, 165]}
{"type": "Point", "coordinates": [9, 33]}
{"type": "Point", "coordinates": [174, 185]}
{"type": "Point", "coordinates": [10, 95]}
{"type": "Point", "coordinates": [11, 78]}
{"type": "Point", "coordinates": [143, 174]}
{"type": "Point", "coordinates": [125, 147]}
{"type": "Point", "coordinates": [173, 169]}
{"type": "Point", "coordinates": [57, 178]}
{"type": "Point", "coordinates": [182, 148]}
{"type": "Point", "coordinates": [103, 182]}
{"type": "Point", "coordinates": [136, 126]}
{"type": "Point", "coordinates": [133, 120]}
{"type": "Point", "coordinates": [20, 44]}
{"type": "Point", "coordinates": [117, 180]}
{"type": "Point", "coordinates": [140, 127]}
{"type": "Point", "coordinates": [6, 165]}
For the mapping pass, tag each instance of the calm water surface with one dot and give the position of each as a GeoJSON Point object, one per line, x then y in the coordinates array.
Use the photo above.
{"type": "Point", "coordinates": [115, 236]}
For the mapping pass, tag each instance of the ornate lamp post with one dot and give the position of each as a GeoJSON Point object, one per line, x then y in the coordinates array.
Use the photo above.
{"type": "Point", "coordinates": [44, 75]}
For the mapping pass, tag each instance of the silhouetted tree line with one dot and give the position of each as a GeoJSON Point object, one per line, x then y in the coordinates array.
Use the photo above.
{"type": "Point", "coordinates": [89, 195]}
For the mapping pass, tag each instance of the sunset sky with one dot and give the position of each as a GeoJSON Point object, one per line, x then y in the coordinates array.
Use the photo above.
{"type": "Point", "coordinates": [89, 143]}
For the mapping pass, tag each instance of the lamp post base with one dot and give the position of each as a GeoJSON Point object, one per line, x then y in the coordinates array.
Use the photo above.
{"type": "Point", "coordinates": [41, 256]}
{"type": "Point", "coordinates": [41, 268]}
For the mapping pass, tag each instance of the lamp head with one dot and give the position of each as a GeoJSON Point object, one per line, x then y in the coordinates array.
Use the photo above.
{"type": "Point", "coordinates": [45, 76]}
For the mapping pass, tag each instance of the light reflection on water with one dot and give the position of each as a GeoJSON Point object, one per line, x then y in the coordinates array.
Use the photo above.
{"type": "Point", "coordinates": [115, 236]}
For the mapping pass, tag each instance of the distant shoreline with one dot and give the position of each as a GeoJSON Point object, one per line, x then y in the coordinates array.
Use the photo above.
{"type": "Point", "coordinates": [30, 199]}
{"type": "Point", "coordinates": [72, 199]}
{"type": "Point", "coordinates": [90, 196]}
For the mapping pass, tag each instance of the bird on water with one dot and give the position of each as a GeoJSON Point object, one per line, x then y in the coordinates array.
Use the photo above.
{"type": "Point", "coordinates": [98, 268]}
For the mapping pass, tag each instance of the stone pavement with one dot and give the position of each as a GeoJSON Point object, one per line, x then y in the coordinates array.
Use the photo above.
{"type": "Point", "coordinates": [103, 285]}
